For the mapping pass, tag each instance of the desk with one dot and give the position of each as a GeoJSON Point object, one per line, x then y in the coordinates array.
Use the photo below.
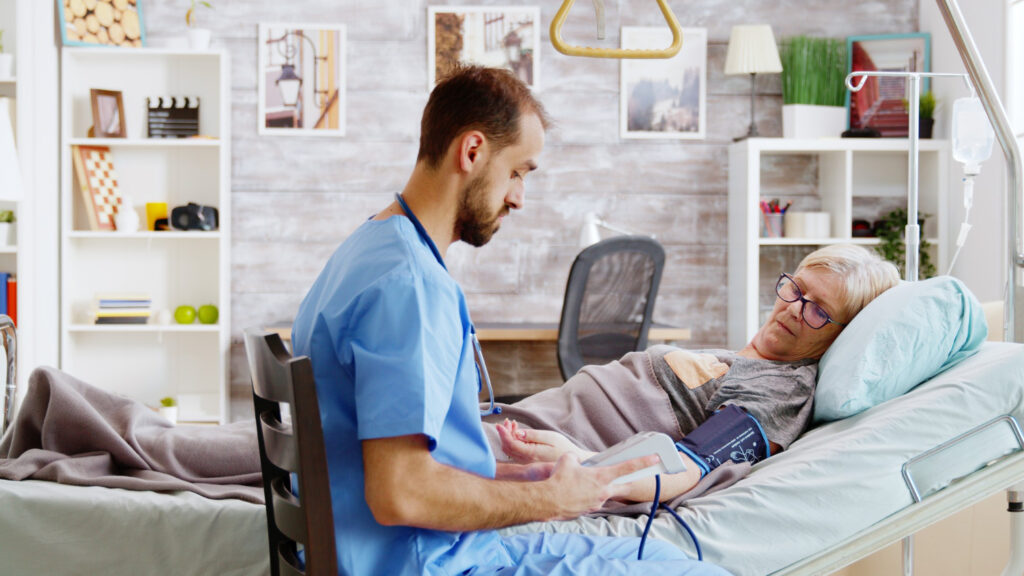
{"type": "Point", "coordinates": [522, 357]}
{"type": "Point", "coordinates": [547, 332]}
{"type": "Point", "coordinates": [525, 332]}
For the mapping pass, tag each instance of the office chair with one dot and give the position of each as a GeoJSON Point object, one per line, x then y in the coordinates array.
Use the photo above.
{"type": "Point", "coordinates": [609, 301]}
{"type": "Point", "coordinates": [290, 450]}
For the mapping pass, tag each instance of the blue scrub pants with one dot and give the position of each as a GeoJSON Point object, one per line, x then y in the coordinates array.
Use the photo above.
{"type": "Point", "coordinates": [576, 554]}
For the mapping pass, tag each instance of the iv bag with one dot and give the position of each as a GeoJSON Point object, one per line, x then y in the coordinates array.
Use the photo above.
{"type": "Point", "coordinates": [972, 133]}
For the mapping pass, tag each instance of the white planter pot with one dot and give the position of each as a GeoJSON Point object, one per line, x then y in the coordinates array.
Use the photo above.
{"type": "Point", "coordinates": [6, 233]}
{"type": "Point", "coordinates": [807, 121]}
{"type": "Point", "coordinates": [199, 38]}
{"type": "Point", "coordinates": [170, 413]}
{"type": "Point", "coordinates": [6, 65]}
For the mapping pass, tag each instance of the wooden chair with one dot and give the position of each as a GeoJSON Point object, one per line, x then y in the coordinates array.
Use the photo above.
{"type": "Point", "coordinates": [290, 450]}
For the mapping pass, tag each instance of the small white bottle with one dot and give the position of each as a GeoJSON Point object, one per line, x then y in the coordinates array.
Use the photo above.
{"type": "Point", "coordinates": [127, 219]}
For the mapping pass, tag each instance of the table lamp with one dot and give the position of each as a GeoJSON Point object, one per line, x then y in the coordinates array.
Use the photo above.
{"type": "Point", "coordinates": [591, 234]}
{"type": "Point", "coordinates": [752, 50]}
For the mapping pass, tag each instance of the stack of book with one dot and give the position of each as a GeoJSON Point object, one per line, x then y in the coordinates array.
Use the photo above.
{"type": "Point", "coordinates": [123, 309]}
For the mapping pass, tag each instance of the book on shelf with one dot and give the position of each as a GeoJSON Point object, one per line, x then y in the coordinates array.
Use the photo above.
{"type": "Point", "coordinates": [12, 298]}
{"type": "Point", "coordinates": [122, 320]}
{"type": "Point", "coordinates": [122, 308]}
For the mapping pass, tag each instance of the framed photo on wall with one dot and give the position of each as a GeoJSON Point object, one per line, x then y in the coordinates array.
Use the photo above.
{"type": "Point", "coordinates": [664, 98]}
{"type": "Point", "coordinates": [495, 36]}
{"type": "Point", "coordinates": [92, 23]}
{"type": "Point", "coordinates": [301, 80]}
{"type": "Point", "coordinates": [881, 103]}
{"type": "Point", "coordinates": [107, 114]}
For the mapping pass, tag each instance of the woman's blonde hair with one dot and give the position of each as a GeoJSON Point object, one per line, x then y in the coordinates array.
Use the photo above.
{"type": "Point", "coordinates": [865, 273]}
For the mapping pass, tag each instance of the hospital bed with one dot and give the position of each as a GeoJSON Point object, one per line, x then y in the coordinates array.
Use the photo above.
{"type": "Point", "coordinates": [836, 495]}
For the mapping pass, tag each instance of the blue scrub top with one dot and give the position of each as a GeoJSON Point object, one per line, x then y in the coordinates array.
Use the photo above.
{"type": "Point", "coordinates": [388, 333]}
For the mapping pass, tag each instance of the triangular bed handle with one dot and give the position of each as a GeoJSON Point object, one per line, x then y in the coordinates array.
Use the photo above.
{"type": "Point", "coordinates": [586, 51]}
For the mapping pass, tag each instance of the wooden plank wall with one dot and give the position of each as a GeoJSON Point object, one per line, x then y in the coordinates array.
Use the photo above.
{"type": "Point", "coordinates": [295, 199]}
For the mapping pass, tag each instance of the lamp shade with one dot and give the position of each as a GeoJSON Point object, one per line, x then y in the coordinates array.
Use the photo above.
{"type": "Point", "coordinates": [752, 50]}
{"type": "Point", "coordinates": [10, 173]}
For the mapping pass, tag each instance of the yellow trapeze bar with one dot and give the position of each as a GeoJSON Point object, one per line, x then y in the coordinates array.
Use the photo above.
{"type": "Point", "coordinates": [563, 13]}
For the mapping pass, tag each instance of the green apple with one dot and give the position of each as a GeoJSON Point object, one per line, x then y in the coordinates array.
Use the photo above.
{"type": "Point", "coordinates": [208, 314]}
{"type": "Point", "coordinates": [184, 314]}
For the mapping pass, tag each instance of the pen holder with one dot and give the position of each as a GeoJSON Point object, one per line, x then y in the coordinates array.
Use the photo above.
{"type": "Point", "coordinates": [771, 225]}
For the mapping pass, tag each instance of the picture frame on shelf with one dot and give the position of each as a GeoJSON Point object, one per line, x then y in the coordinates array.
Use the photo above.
{"type": "Point", "coordinates": [880, 105]}
{"type": "Point", "coordinates": [107, 114]}
{"type": "Point", "coordinates": [495, 36]}
{"type": "Point", "coordinates": [103, 24]}
{"type": "Point", "coordinates": [664, 98]}
{"type": "Point", "coordinates": [97, 183]}
{"type": "Point", "coordinates": [301, 80]}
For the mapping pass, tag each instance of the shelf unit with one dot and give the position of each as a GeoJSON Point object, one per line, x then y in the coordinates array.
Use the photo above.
{"type": "Point", "coordinates": [149, 361]}
{"type": "Point", "coordinates": [855, 178]}
{"type": "Point", "coordinates": [16, 256]}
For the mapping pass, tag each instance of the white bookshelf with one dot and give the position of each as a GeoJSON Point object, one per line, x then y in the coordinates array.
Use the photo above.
{"type": "Point", "coordinates": [17, 257]}
{"type": "Point", "coordinates": [147, 362]}
{"type": "Point", "coordinates": [853, 175]}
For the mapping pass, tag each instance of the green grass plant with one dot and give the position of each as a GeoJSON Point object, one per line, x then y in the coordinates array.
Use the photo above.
{"type": "Point", "coordinates": [814, 71]}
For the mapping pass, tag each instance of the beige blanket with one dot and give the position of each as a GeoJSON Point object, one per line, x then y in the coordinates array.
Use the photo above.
{"type": "Point", "coordinates": [69, 432]}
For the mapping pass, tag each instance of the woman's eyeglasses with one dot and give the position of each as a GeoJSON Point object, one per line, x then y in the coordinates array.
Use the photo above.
{"type": "Point", "coordinates": [813, 314]}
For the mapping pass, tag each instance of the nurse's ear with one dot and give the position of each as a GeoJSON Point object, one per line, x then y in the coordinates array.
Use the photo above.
{"type": "Point", "coordinates": [472, 150]}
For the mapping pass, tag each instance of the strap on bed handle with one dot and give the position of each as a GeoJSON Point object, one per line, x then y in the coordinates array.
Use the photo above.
{"type": "Point", "coordinates": [953, 459]}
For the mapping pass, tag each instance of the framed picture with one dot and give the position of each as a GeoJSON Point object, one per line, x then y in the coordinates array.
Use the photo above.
{"type": "Point", "coordinates": [881, 103]}
{"type": "Point", "coordinates": [495, 36]}
{"type": "Point", "coordinates": [97, 182]}
{"type": "Point", "coordinates": [664, 98]}
{"type": "Point", "coordinates": [301, 79]}
{"type": "Point", "coordinates": [107, 113]}
{"type": "Point", "coordinates": [101, 23]}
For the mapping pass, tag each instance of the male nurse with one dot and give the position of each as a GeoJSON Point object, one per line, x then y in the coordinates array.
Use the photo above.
{"type": "Point", "coordinates": [414, 484]}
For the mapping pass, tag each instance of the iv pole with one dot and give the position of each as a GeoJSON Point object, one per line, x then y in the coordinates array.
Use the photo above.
{"type": "Point", "coordinates": [913, 230]}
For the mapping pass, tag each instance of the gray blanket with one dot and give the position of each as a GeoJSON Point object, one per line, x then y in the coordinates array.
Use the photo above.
{"type": "Point", "coordinates": [602, 405]}
{"type": "Point", "coordinates": [69, 432]}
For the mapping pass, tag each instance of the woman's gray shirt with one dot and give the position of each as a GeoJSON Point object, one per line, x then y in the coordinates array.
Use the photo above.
{"type": "Point", "coordinates": [779, 394]}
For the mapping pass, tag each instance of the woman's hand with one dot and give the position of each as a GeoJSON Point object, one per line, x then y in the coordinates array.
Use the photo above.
{"type": "Point", "coordinates": [524, 446]}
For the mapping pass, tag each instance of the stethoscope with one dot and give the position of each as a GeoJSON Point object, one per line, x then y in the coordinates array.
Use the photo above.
{"type": "Point", "coordinates": [478, 355]}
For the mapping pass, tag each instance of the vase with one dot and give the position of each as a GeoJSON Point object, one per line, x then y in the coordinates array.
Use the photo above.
{"type": "Point", "coordinates": [6, 65]}
{"type": "Point", "coordinates": [6, 234]}
{"type": "Point", "coordinates": [809, 121]}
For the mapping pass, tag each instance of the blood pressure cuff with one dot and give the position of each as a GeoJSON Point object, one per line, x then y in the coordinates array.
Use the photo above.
{"type": "Point", "coordinates": [731, 433]}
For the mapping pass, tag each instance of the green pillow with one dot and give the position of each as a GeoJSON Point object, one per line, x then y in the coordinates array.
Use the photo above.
{"type": "Point", "coordinates": [905, 336]}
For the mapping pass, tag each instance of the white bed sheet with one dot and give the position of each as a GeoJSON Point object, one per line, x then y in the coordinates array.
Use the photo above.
{"type": "Point", "coordinates": [54, 529]}
{"type": "Point", "coordinates": [837, 479]}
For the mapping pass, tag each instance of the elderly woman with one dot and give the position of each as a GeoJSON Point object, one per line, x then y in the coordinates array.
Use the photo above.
{"type": "Point", "coordinates": [741, 406]}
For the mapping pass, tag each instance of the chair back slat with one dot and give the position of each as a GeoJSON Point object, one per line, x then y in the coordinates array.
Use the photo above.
{"type": "Point", "coordinates": [280, 443]}
{"type": "Point", "coordinates": [301, 516]}
{"type": "Point", "coordinates": [288, 512]}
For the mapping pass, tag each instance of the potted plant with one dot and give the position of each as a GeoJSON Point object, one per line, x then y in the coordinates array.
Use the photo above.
{"type": "Point", "coordinates": [813, 87]}
{"type": "Point", "coordinates": [893, 247]}
{"type": "Point", "coordinates": [169, 409]}
{"type": "Point", "coordinates": [198, 38]}
{"type": "Point", "coordinates": [6, 60]}
{"type": "Point", "coordinates": [6, 227]}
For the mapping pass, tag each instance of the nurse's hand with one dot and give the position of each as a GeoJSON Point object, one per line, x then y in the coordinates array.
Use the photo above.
{"type": "Point", "coordinates": [523, 445]}
{"type": "Point", "coordinates": [578, 489]}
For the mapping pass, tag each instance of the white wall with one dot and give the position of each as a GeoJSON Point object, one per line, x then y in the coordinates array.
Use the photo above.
{"type": "Point", "coordinates": [981, 264]}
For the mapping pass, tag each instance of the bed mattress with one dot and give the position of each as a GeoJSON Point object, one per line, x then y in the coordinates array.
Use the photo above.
{"type": "Point", "coordinates": [55, 529]}
{"type": "Point", "coordinates": [836, 480]}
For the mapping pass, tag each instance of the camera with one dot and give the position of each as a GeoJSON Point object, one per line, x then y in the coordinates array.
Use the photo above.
{"type": "Point", "coordinates": [194, 217]}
